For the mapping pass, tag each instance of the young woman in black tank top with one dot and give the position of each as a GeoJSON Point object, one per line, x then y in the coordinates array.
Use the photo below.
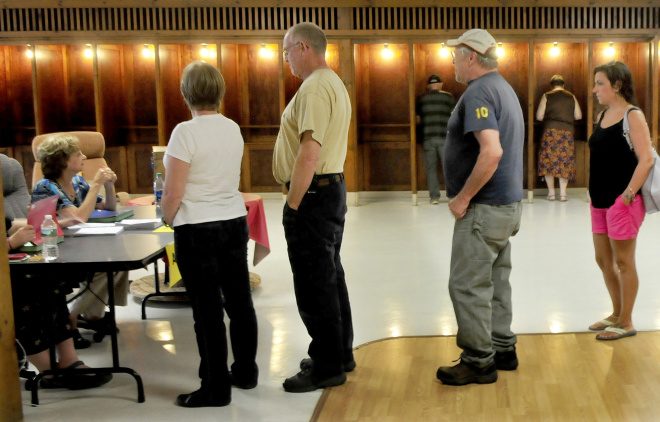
{"type": "Point", "coordinates": [616, 174]}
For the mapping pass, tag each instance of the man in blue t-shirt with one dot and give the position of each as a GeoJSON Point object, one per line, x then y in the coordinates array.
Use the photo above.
{"type": "Point", "coordinates": [483, 165]}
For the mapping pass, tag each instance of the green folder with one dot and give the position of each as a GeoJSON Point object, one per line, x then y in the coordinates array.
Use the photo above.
{"type": "Point", "coordinates": [31, 247]}
{"type": "Point", "coordinates": [107, 216]}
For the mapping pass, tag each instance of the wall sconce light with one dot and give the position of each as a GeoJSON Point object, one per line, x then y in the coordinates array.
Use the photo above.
{"type": "Point", "coordinates": [148, 51]}
{"type": "Point", "coordinates": [443, 52]}
{"type": "Point", "coordinates": [554, 50]}
{"type": "Point", "coordinates": [88, 53]}
{"type": "Point", "coordinates": [29, 52]}
{"type": "Point", "coordinates": [265, 52]}
{"type": "Point", "coordinates": [206, 52]}
{"type": "Point", "coordinates": [610, 50]}
{"type": "Point", "coordinates": [499, 51]}
{"type": "Point", "coordinates": [386, 53]}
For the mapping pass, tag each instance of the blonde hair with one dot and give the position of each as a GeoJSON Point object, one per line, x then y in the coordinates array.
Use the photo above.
{"type": "Point", "coordinates": [54, 154]}
{"type": "Point", "coordinates": [202, 86]}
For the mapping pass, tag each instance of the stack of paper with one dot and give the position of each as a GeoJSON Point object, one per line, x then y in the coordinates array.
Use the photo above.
{"type": "Point", "coordinates": [91, 229]}
{"type": "Point", "coordinates": [140, 223]}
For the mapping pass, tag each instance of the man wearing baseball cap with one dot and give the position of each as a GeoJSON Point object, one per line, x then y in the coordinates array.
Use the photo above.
{"type": "Point", "coordinates": [433, 110]}
{"type": "Point", "coordinates": [483, 165]}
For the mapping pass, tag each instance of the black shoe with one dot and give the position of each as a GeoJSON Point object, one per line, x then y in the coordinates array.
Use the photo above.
{"type": "Point", "coordinates": [464, 373]}
{"type": "Point", "coordinates": [75, 381]}
{"type": "Point", "coordinates": [506, 361]}
{"type": "Point", "coordinates": [308, 363]}
{"type": "Point", "coordinates": [102, 325]}
{"type": "Point", "coordinates": [72, 379]}
{"type": "Point", "coordinates": [305, 381]}
{"type": "Point", "coordinates": [82, 382]}
{"type": "Point", "coordinates": [79, 342]}
{"type": "Point", "coordinates": [245, 384]}
{"type": "Point", "coordinates": [201, 398]}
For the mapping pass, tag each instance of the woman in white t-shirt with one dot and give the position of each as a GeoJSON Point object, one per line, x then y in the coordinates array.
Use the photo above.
{"type": "Point", "coordinates": [202, 202]}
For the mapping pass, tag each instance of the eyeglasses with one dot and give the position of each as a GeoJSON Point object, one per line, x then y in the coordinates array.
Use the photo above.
{"type": "Point", "coordinates": [285, 50]}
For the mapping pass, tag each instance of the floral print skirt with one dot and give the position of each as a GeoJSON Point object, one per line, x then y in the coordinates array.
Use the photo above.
{"type": "Point", "coordinates": [557, 154]}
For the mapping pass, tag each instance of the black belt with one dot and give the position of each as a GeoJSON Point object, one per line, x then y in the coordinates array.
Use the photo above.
{"type": "Point", "coordinates": [322, 180]}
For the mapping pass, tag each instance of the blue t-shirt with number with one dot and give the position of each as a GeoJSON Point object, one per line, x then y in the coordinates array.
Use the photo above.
{"type": "Point", "coordinates": [489, 102]}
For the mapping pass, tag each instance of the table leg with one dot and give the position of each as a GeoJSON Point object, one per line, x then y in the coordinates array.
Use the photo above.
{"type": "Point", "coordinates": [156, 285]}
{"type": "Point", "coordinates": [157, 288]}
{"type": "Point", "coordinates": [115, 349]}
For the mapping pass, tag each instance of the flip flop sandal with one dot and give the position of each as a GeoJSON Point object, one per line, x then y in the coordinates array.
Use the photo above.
{"type": "Point", "coordinates": [601, 325]}
{"type": "Point", "coordinates": [619, 333]}
{"type": "Point", "coordinates": [68, 378]}
{"type": "Point", "coordinates": [551, 197]}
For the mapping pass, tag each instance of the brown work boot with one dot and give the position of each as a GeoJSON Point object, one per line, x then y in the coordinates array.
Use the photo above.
{"type": "Point", "coordinates": [463, 373]}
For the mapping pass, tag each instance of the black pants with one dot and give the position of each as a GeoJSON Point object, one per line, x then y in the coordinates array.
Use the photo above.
{"type": "Point", "coordinates": [314, 234]}
{"type": "Point", "coordinates": [212, 258]}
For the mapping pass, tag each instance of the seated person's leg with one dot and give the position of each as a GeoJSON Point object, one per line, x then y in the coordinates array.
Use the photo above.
{"type": "Point", "coordinates": [92, 302]}
{"type": "Point", "coordinates": [41, 318]}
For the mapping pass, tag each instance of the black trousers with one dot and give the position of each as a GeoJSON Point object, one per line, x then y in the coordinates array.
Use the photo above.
{"type": "Point", "coordinates": [212, 258]}
{"type": "Point", "coordinates": [314, 234]}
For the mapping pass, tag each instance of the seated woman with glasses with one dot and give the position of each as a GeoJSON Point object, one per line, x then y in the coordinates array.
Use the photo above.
{"type": "Point", "coordinates": [61, 162]}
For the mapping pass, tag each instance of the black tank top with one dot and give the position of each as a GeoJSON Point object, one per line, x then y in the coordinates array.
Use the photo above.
{"type": "Point", "coordinates": [611, 164]}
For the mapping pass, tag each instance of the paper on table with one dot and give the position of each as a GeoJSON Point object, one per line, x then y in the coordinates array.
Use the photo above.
{"type": "Point", "coordinates": [140, 223]}
{"type": "Point", "coordinates": [90, 225]}
{"type": "Point", "coordinates": [98, 231]}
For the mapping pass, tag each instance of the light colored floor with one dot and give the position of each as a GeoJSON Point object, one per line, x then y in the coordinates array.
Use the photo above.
{"type": "Point", "coordinates": [396, 258]}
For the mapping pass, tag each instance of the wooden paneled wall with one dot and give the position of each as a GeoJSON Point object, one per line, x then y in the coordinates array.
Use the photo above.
{"type": "Point", "coordinates": [135, 101]}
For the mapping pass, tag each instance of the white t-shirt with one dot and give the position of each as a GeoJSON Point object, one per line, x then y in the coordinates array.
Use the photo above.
{"type": "Point", "coordinates": [213, 146]}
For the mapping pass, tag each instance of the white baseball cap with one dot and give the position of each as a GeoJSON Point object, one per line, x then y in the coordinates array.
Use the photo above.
{"type": "Point", "coordinates": [477, 39]}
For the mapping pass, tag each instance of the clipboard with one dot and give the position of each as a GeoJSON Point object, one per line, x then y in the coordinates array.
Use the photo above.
{"type": "Point", "coordinates": [36, 213]}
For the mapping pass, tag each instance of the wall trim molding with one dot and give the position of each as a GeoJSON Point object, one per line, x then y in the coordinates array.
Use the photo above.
{"type": "Point", "coordinates": [112, 22]}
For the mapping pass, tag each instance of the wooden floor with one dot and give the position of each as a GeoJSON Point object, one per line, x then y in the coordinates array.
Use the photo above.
{"type": "Point", "coordinates": [562, 377]}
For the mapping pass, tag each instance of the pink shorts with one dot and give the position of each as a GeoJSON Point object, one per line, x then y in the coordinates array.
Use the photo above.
{"type": "Point", "coordinates": [620, 221]}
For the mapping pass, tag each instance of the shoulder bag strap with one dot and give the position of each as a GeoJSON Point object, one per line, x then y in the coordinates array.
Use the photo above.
{"type": "Point", "coordinates": [626, 126]}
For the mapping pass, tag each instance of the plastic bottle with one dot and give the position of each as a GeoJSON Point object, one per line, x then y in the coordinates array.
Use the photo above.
{"type": "Point", "coordinates": [158, 188]}
{"type": "Point", "coordinates": [50, 250]}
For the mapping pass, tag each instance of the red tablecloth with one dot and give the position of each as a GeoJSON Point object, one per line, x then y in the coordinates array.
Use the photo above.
{"type": "Point", "coordinates": [256, 219]}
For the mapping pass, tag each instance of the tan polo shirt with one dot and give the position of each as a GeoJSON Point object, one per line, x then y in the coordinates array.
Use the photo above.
{"type": "Point", "coordinates": [323, 106]}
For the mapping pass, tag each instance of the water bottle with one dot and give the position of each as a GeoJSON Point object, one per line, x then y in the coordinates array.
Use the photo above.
{"type": "Point", "coordinates": [49, 248]}
{"type": "Point", "coordinates": [158, 188]}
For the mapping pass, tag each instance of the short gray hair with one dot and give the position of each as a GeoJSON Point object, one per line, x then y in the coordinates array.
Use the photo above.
{"type": "Point", "coordinates": [487, 61]}
{"type": "Point", "coordinates": [310, 33]}
{"type": "Point", "coordinates": [202, 86]}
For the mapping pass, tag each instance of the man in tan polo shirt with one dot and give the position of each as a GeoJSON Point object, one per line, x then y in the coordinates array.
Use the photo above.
{"type": "Point", "coordinates": [309, 159]}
